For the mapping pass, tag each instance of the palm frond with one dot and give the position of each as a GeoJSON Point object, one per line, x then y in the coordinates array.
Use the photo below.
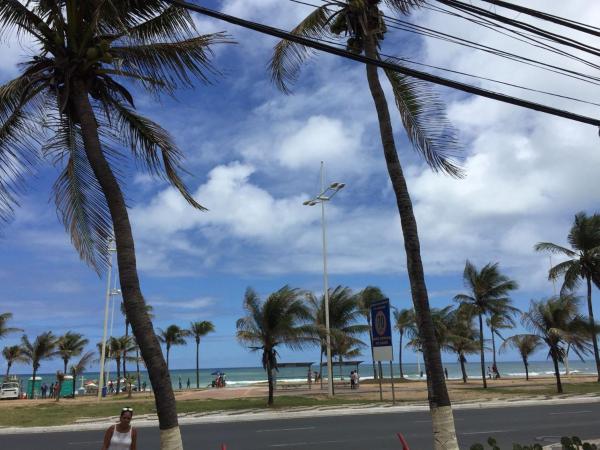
{"type": "Point", "coordinates": [404, 6]}
{"type": "Point", "coordinates": [176, 63]}
{"type": "Point", "coordinates": [13, 14]}
{"type": "Point", "coordinates": [288, 56]}
{"type": "Point", "coordinates": [153, 146]}
{"type": "Point", "coordinates": [426, 123]}
{"type": "Point", "coordinates": [554, 248]}
{"type": "Point", "coordinates": [172, 24]}
{"type": "Point", "coordinates": [80, 200]}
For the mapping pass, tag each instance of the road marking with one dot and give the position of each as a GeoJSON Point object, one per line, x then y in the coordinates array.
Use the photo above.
{"type": "Point", "coordinates": [486, 432]}
{"type": "Point", "coordinates": [85, 442]}
{"type": "Point", "coordinates": [570, 412]}
{"type": "Point", "coordinates": [285, 429]}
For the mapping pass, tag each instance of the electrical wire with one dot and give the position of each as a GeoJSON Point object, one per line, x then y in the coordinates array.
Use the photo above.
{"type": "Point", "coordinates": [272, 31]}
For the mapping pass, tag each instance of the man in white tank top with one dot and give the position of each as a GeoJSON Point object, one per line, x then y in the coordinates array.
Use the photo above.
{"type": "Point", "coordinates": [121, 436]}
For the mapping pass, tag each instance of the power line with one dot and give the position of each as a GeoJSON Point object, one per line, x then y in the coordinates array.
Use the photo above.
{"type": "Point", "coordinates": [265, 29]}
{"type": "Point", "coordinates": [579, 26]}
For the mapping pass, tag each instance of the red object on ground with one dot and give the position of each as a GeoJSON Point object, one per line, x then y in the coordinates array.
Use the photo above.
{"type": "Point", "coordinates": [404, 443]}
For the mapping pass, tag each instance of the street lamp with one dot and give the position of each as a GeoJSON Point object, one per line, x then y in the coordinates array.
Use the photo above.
{"type": "Point", "coordinates": [111, 249]}
{"type": "Point", "coordinates": [325, 195]}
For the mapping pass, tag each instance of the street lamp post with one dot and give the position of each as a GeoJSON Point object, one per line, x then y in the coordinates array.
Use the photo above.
{"type": "Point", "coordinates": [111, 250]}
{"type": "Point", "coordinates": [325, 195]}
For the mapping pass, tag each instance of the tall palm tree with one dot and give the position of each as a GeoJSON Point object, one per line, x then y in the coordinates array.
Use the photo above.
{"type": "Point", "coordinates": [488, 295]}
{"type": "Point", "coordinates": [496, 322]}
{"type": "Point", "coordinates": [5, 317]}
{"type": "Point", "coordinates": [526, 344]}
{"type": "Point", "coordinates": [13, 354]}
{"type": "Point", "coordinates": [79, 369]}
{"type": "Point", "coordinates": [424, 119]}
{"type": "Point", "coordinates": [281, 320]}
{"type": "Point", "coordinates": [118, 347]}
{"type": "Point", "coordinates": [462, 337]}
{"type": "Point", "coordinates": [583, 263]}
{"type": "Point", "coordinates": [69, 345]}
{"type": "Point", "coordinates": [71, 98]}
{"type": "Point", "coordinates": [44, 347]}
{"type": "Point", "coordinates": [173, 335]}
{"type": "Point", "coordinates": [404, 320]}
{"type": "Point", "coordinates": [557, 322]}
{"type": "Point", "coordinates": [366, 298]}
{"type": "Point", "coordinates": [345, 346]}
{"type": "Point", "coordinates": [344, 313]}
{"type": "Point", "coordinates": [199, 330]}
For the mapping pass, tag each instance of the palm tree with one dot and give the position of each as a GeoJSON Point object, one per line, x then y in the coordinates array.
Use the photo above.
{"type": "Point", "coordinates": [404, 320]}
{"type": "Point", "coordinates": [427, 128]}
{"type": "Point", "coordinates": [344, 312]}
{"type": "Point", "coordinates": [344, 347]}
{"type": "Point", "coordinates": [44, 347]}
{"type": "Point", "coordinates": [366, 298]}
{"type": "Point", "coordinates": [72, 91]}
{"type": "Point", "coordinates": [281, 320]}
{"type": "Point", "coordinates": [496, 322]}
{"type": "Point", "coordinates": [5, 317]}
{"type": "Point", "coordinates": [173, 335]}
{"type": "Point", "coordinates": [526, 344]}
{"type": "Point", "coordinates": [488, 295]}
{"type": "Point", "coordinates": [13, 354]}
{"type": "Point", "coordinates": [199, 330]}
{"type": "Point", "coordinates": [462, 338]}
{"type": "Point", "coordinates": [583, 264]}
{"type": "Point", "coordinates": [70, 345]}
{"type": "Point", "coordinates": [78, 369]}
{"type": "Point", "coordinates": [557, 322]}
{"type": "Point", "coordinates": [118, 348]}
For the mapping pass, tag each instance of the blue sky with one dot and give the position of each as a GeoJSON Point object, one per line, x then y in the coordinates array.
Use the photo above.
{"type": "Point", "coordinates": [253, 155]}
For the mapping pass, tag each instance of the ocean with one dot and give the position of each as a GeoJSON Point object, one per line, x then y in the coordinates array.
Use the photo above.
{"type": "Point", "coordinates": [247, 376]}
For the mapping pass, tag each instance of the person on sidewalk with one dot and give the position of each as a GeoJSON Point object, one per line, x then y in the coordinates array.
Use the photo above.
{"type": "Point", "coordinates": [121, 436]}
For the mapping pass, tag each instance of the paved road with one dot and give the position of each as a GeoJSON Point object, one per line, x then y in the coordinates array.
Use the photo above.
{"type": "Point", "coordinates": [357, 432]}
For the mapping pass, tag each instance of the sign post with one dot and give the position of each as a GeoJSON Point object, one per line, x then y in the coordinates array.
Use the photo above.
{"type": "Point", "coordinates": [381, 330]}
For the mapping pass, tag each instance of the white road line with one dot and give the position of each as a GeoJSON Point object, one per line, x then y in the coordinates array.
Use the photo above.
{"type": "Point", "coordinates": [285, 429]}
{"type": "Point", "coordinates": [486, 432]}
{"type": "Point", "coordinates": [569, 412]}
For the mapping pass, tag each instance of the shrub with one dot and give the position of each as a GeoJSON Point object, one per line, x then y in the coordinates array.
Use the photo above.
{"type": "Point", "coordinates": [568, 443]}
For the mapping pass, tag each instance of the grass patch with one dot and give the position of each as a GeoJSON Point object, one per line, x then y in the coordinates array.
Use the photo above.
{"type": "Point", "coordinates": [66, 412]}
{"type": "Point", "coordinates": [550, 389]}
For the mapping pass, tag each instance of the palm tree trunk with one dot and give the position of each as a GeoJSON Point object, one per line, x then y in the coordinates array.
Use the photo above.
{"type": "Point", "coordinates": [526, 364]}
{"type": "Point", "coordinates": [135, 306]}
{"type": "Point", "coordinates": [168, 351]}
{"type": "Point", "coordinates": [118, 360]}
{"type": "Point", "coordinates": [371, 342]}
{"type": "Point", "coordinates": [137, 368]}
{"type": "Point", "coordinates": [444, 431]}
{"type": "Point", "coordinates": [33, 383]}
{"type": "Point", "coordinates": [593, 325]}
{"type": "Point", "coordinates": [481, 354]}
{"type": "Point", "coordinates": [461, 358]}
{"type": "Point", "coordinates": [400, 355]}
{"type": "Point", "coordinates": [321, 368]}
{"type": "Point", "coordinates": [197, 364]}
{"type": "Point", "coordinates": [493, 347]}
{"type": "Point", "coordinates": [270, 380]}
{"type": "Point", "coordinates": [559, 387]}
{"type": "Point", "coordinates": [8, 364]}
{"type": "Point", "coordinates": [341, 362]}
{"type": "Point", "coordinates": [66, 361]}
{"type": "Point", "coordinates": [125, 350]}
{"type": "Point", "coordinates": [74, 383]}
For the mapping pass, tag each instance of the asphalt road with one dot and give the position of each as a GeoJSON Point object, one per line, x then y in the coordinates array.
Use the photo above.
{"type": "Point", "coordinates": [543, 424]}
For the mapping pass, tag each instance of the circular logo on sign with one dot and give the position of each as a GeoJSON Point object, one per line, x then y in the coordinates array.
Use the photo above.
{"type": "Point", "coordinates": [380, 323]}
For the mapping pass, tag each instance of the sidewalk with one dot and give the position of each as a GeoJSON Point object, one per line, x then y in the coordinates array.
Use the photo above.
{"type": "Point", "coordinates": [248, 415]}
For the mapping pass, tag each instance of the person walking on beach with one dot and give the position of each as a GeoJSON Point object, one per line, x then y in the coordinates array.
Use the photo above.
{"type": "Point", "coordinates": [44, 389]}
{"type": "Point", "coordinates": [446, 372]}
{"type": "Point", "coordinates": [121, 436]}
{"type": "Point", "coordinates": [309, 378]}
{"type": "Point", "coordinates": [51, 391]}
{"type": "Point", "coordinates": [489, 373]}
{"type": "Point", "coordinates": [188, 383]}
{"type": "Point", "coordinates": [180, 387]}
{"type": "Point", "coordinates": [353, 380]}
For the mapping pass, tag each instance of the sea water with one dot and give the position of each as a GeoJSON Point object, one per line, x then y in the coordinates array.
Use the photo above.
{"type": "Point", "coordinates": [248, 376]}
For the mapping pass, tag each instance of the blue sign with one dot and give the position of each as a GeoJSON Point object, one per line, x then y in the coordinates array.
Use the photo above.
{"type": "Point", "coordinates": [381, 330]}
